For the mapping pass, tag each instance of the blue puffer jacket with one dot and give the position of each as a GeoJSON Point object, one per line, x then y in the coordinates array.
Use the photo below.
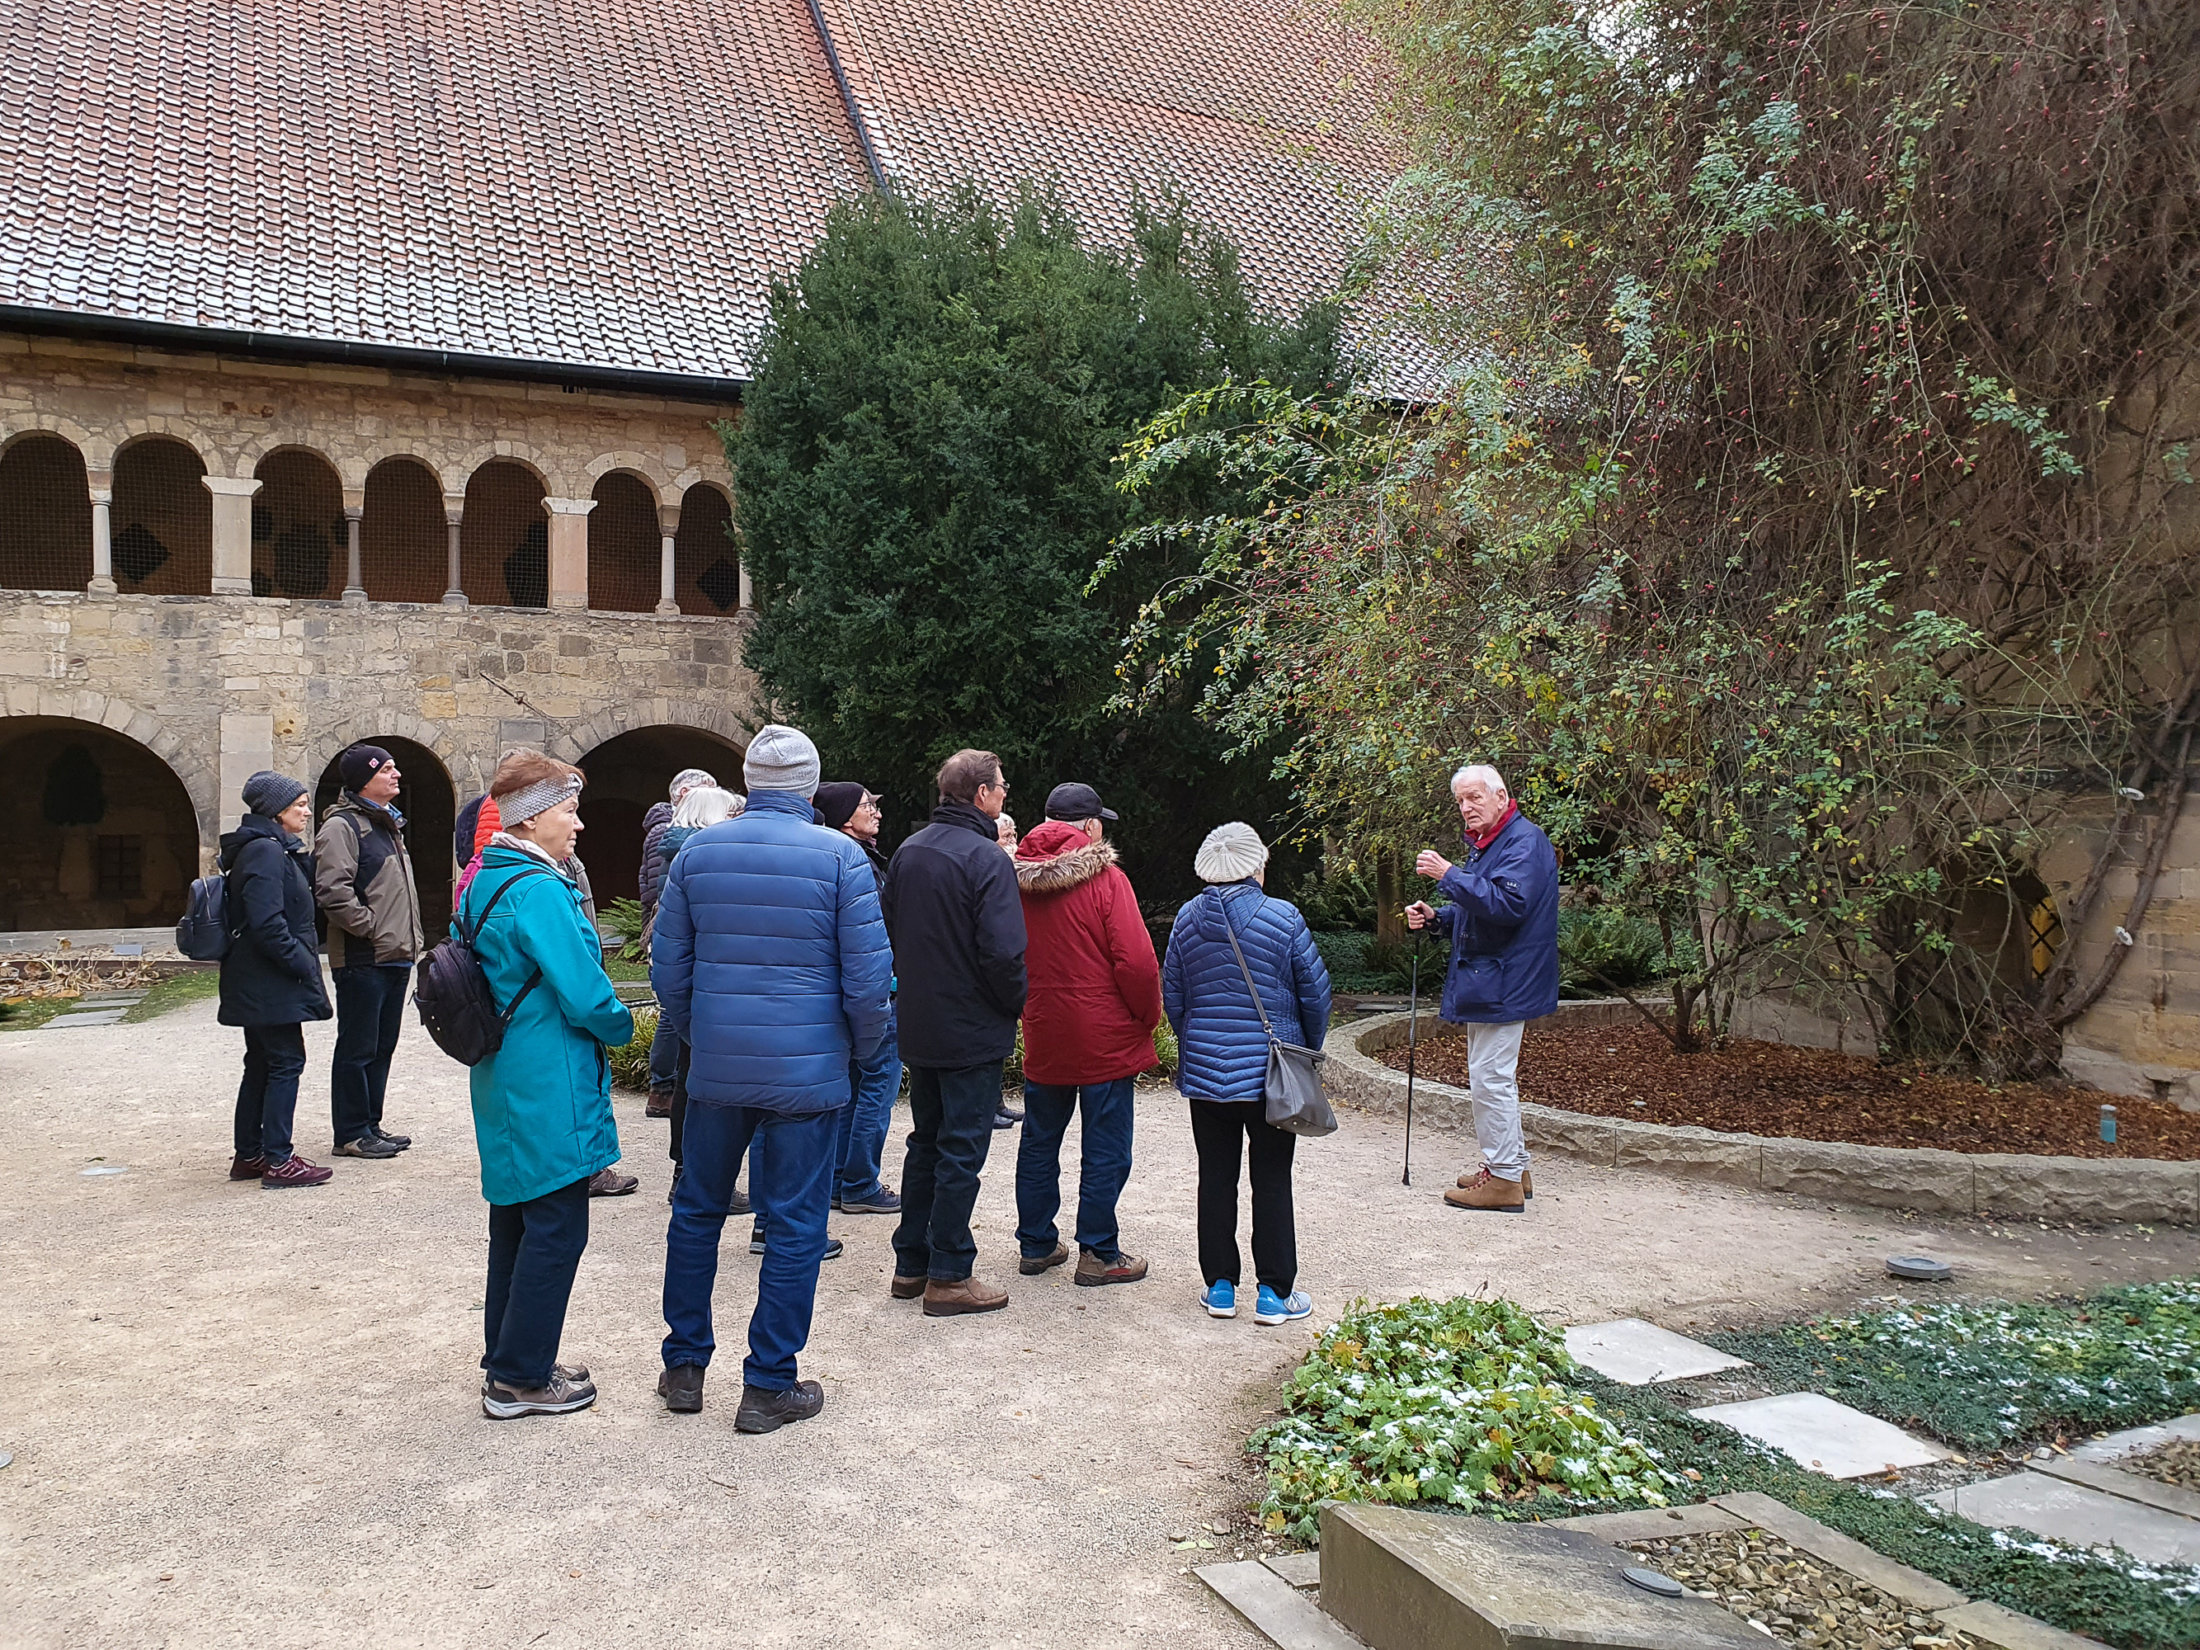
{"type": "Point", "coordinates": [1222, 1053]}
{"type": "Point", "coordinates": [1503, 926]}
{"type": "Point", "coordinates": [770, 958]}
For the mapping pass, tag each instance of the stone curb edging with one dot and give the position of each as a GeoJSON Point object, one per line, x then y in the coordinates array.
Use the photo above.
{"type": "Point", "coordinates": [1892, 1177]}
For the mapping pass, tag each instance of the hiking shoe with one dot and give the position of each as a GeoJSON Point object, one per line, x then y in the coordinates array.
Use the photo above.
{"type": "Point", "coordinates": [1093, 1270]}
{"type": "Point", "coordinates": [738, 1204]}
{"type": "Point", "coordinates": [611, 1183]}
{"type": "Point", "coordinates": [1220, 1299]}
{"type": "Point", "coordinates": [1271, 1308]}
{"type": "Point", "coordinates": [576, 1373]}
{"type": "Point", "coordinates": [681, 1387]}
{"type": "Point", "coordinates": [367, 1145]}
{"type": "Point", "coordinates": [660, 1103]}
{"type": "Point", "coordinates": [1032, 1265]}
{"type": "Point", "coordinates": [880, 1202]}
{"type": "Point", "coordinates": [1527, 1182]}
{"type": "Point", "coordinates": [960, 1298]}
{"type": "Point", "coordinates": [906, 1288]}
{"type": "Point", "coordinates": [294, 1171]}
{"type": "Point", "coordinates": [834, 1248]}
{"type": "Point", "coordinates": [557, 1396]}
{"type": "Point", "coordinates": [1007, 1117]}
{"type": "Point", "coordinates": [247, 1168]}
{"type": "Point", "coordinates": [1487, 1191]}
{"type": "Point", "coordinates": [403, 1142]}
{"type": "Point", "coordinates": [763, 1410]}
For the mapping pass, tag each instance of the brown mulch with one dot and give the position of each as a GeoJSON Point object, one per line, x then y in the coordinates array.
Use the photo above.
{"type": "Point", "coordinates": [2176, 1462]}
{"type": "Point", "coordinates": [1814, 1094]}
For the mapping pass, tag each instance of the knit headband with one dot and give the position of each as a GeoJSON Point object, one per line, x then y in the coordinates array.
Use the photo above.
{"type": "Point", "coordinates": [540, 797]}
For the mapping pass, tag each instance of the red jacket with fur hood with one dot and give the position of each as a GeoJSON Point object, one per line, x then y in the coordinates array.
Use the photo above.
{"type": "Point", "coordinates": [1095, 982]}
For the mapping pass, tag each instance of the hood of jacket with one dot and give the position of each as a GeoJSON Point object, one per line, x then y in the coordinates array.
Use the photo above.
{"type": "Point", "coordinates": [1057, 857]}
{"type": "Point", "coordinates": [1237, 897]}
{"type": "Point", "coordinates": [252, 828]}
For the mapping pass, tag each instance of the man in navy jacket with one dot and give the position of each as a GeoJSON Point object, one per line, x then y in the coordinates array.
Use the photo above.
{"type": "Point", "coordinates": [1502, 922]}
{"type": "Point", "coordinates": [771, 961]}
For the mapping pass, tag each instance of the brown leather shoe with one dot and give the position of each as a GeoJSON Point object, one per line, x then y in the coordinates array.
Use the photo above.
{"type": "Point", "coordinates": [1527, 1181]}
{"type": "Point", "coordinates": [906, 1289]}
{"type": "Point", "coordinates": [611, 1183]}
{"type": "Point", "coordinates": [1092, 1271]}
{"type": "Point", "coordinates": [660, 1103]}
{"type": "Point", "coordinates": [1033, 1265]}
{"type": "Point", "coordinates": [964, 1296]}
{"type": "Point", "coordinates": [1486, 1191]}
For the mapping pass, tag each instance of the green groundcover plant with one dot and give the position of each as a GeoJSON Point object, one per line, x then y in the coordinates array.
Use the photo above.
{"type": "Point", "coordinates": [1984, 1374]}
{"type": "Point", "coordinates": [1392, 1395]}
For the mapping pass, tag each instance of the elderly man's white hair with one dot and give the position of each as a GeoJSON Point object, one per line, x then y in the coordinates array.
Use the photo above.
{"type": "Point", "coordinates": [1482, 771]}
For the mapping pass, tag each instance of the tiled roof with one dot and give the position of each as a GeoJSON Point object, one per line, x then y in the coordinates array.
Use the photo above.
{"type": "Point", "coordinates": [612, 184]}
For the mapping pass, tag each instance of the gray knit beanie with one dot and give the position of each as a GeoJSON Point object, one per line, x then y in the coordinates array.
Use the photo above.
{"type": "Point", "coordinates": [270, 793]}
{"type": "Point", "coordinates": [781, 758]}
{"type": "Point", "coordinates": [1231, 853]}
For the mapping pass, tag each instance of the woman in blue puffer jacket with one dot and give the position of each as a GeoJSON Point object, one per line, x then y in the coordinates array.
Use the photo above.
{"type": "Point", "coordinates": [1222, 1061]}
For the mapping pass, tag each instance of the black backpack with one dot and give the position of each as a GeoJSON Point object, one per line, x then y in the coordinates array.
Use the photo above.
{"type": "Point", "coordinates": [452, 989]}
{"type": "Point", "coordinates": [204, 933]}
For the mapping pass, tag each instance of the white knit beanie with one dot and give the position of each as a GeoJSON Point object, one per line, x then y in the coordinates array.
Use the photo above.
{"type": "Point", "coordinates": [1231, 853]}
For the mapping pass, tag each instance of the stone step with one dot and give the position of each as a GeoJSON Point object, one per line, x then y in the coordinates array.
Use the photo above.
{"type": "Point", "coordinates": [1823, 1435]}
{"type": "Point", "coordinates": [86, 1017]}
{"type": "Point", "coordinates": [2083, 1517]}
{"type": "Point", "coordinates": [1275, 1607]}
{"type": "Point", "coordinates": [1635, 1352]}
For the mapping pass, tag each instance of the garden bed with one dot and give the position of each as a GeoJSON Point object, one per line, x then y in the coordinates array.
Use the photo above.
{"type": "Point", "coordinates": [1629, 1071]}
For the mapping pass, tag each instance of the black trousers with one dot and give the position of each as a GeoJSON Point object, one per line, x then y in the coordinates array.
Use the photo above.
{"type": "Point", "coordinates": [534, 1250]}
{"type": "Point", "coordinates": [950, 1133]}
{"type": "Point", "coordinates": [274, 1060]}
{"type": "Point", "coordinates": [1223, 1133]}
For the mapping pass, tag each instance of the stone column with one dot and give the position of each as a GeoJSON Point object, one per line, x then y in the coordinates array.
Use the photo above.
{"type": "Point", "coordinates": [355, 589]}
{"type": "Point", "coordinates": [454, 513]}
{"type": "Point", "coordinates": [232, 533]}
{"type": "Point", "coordinates": [569, 550]}
{"type": "Point", "coordinates": [748, 599]}
{"type": "Point", "coordinates": [668, 525]}
{"type": "Point", "coordinates": [103, 543]}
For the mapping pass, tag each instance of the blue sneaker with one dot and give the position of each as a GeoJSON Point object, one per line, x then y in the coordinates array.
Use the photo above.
{"type": "Point", "coordinates": [1273, 1308]}
{"type": "Point", "coordinates": [1221, 1300]}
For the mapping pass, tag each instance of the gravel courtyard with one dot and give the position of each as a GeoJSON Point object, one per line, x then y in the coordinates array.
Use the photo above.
{"type": "Point", "coordinates": [241, 1417]}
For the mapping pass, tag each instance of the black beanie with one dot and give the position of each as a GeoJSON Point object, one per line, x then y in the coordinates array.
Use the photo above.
{"type": "Point", "coordinates": [360, 764]}
{"type": "Point", "coordinates": [837, 803]}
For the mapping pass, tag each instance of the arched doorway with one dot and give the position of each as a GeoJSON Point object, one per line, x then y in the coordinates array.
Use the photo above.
{"type": "Point", "coordinates": [97, 831]}
{"type": "Point", "coordinates": [426, 799]}
{"type": "Point", "coordinates": [624, 546]}
{"type": "Point", "coordinates": [504, 538]}
{"type": "Point", "coordinates": [163, 520]}
{"type": "Point", "coordinates": [45, 515]}
{"type": "Point", "coordinates": [300, 540]}
{"type": "Point", "coordinates": [404, 540]}
{"type": "Point", "coordinates": [628, 775]}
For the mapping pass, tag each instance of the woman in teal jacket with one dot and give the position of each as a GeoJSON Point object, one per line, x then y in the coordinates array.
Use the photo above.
{"type": "Point", "coordinates": [542, 1102]}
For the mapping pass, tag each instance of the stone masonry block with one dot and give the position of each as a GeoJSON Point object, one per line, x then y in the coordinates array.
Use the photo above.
{"type": "Point", "coordinates": [1932, 1182]}
{"type": "Point", "coordinates": [2083, 1188]}
{"type": "Point", "coordinates": [1701, 1154]}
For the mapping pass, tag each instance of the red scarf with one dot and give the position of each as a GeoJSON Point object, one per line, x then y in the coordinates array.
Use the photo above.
{"type": "Point", "coordinates": [1481, 843]}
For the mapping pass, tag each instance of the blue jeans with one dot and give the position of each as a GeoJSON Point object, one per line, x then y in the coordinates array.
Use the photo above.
{"type": "Point", "coordinates": [791, 1172]}
{"type": "Point", "coordinates": [664, 1054]}
{"type": "Point", "coordinates": [950, 1132]}
{"type": "Point", "coordinates": [534, 1250]}
{"type": "Point", "coordinates": [370, 1012]}
{"type": "Point", "coordinates": [867, 1116]}
{"type": "Point", "coordinates": [1104, 1153]}
{"type": "Point", "coordinates": [274, 1060]}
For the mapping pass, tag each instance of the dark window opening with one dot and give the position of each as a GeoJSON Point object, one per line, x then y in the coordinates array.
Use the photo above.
{"type": "Point", "coordinates": [120, 863]}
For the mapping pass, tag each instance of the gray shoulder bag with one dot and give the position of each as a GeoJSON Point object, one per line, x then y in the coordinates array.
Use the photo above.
{"type": "Point", "coordinates": [1297, 1103]}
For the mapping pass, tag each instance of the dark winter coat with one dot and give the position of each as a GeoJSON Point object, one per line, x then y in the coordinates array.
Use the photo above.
{"type": "Point", "coordinates": [1095, 982]}
{"type": "Point", "coordinates": [1222, 1053]}
{"type": "Point", "coordinates": [363, 877]}
{"type": "Point", "coordinates": [770, 959]}
{"type": "Point", "coordinates": [1502, 921]}
{"type": "Point", "coordinates": [958, 928]}
{"type": "Point", "coordinates": [272, 973]}
{"type": "Point", "coordinates": [656, 858]}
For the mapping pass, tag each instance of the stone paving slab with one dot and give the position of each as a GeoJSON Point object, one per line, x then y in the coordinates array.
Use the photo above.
{"type": "Point", "coordinates": [87, 1017]}
{"type": "Point", "coordinates": [2070, 1512]}
{"type": "Point", "coordinates": [2116, 1445]}
{"type": "Point", "coordinates": [1636, 1352]}
{"type": "Point", "coordinates": [1997, 1624]}
{"type": "Point", "coordinates": [1275, 1607]}
{"type": "Point", "coordinates": [1825, 1436]}
{"type": "Point", "coordinates": [1299, 1569]}
{"type": "Point", "coordinates": [2132, 1486]}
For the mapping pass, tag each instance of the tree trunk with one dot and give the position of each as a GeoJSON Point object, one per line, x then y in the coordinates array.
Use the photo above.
{"type": "Point", "coordinates": [1390, 916]}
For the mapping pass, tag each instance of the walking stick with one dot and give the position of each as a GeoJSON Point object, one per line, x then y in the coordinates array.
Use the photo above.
{"type": "Point", "coordinates": [1413, 1028]}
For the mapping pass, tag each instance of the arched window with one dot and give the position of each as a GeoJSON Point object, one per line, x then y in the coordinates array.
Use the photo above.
{"type": "Point", "coordinates": [299, 536]}
{"type": "Point", "coordinates": [404, 541]}
{"type": "Point", "coordinates": [706, 566]}
{"type": "Point", "coordinates": [504, 544]}
{"type": "Point", "coordinates": [45, 515]}
{"type": "Point", "coordinates": [624, 546]}
{"type": "Point", "coordinates": [162, 523]}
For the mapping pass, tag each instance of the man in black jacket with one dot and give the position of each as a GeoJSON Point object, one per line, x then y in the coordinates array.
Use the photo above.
{"type": "Point", "coordinates": [957, 925]}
